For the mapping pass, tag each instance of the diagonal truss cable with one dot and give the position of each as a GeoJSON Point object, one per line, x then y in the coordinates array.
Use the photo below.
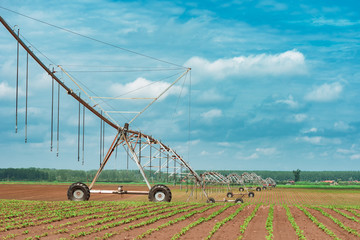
{"type": "Point", "coordinates": [93, 39]}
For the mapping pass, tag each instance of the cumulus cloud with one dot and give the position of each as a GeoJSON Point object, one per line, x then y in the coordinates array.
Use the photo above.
{"type": "Point", "coordinates": [312, 140]}
{"type": "Point", "coordinates": [266, 151]}
{"type": "Point", "coordinates": [355, 157]}
{"type": "Point", "coordinates": [287, 63]}
{"type": "Point", "coordinates": [143, 88]}
{"type": "Point", "coordinates": [311, 130]}
{"type": "Point", "coordinates": [252, 156]}
{"type": "Point", "coordinates": [341, 126]}
{"type": "Point", "coordinates": [299, 117]}
{"type": "Point", "coordinates": [289, 101]}
{"type": "Point", "coordinates": [325, 93]}
{"type": "Point", "coordinates": [6, 92]}
{"type": "Point", "coordinates": [213, 113]}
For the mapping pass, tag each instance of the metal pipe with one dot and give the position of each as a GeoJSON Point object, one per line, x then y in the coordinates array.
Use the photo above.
{"type": "Point", "coordinates": [69, 91]}
{"type": "Point", "coordinates": [17, 82]}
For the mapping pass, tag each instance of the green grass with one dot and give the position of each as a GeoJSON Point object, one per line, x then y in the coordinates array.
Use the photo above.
{"type": "Point", "coordinates": [320, 186]}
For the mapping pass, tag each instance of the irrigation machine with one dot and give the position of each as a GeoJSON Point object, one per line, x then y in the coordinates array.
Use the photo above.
{"type": "Point", "coordinates": [145, 151]}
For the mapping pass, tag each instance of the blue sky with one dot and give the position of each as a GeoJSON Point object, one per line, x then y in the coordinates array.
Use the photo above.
{"type": "Point", "coordinates": [274, 84]}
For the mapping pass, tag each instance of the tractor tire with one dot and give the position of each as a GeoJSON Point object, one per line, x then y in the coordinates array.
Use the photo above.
{"type": "Point", "coordinates": [78, 192]}
{"type": "Point", "coordinates": [210, 200]}
{"type": "Point", "coordinates": [264, 187]}
{"type": "Point", "coordinates": [251, 194]}
{"type": "Point", "coordinates": [258, 189]}
{"type": "Point", "coordinates": [160, 193]}
{"type": "Point", "coordinates": [241, 189]}
{"type": "Point", "coordinates": [239, 200]}
{"type": "Point", "coordinates": [229, 194]}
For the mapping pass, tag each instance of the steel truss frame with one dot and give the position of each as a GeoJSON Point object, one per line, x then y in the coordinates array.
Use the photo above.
{"type": "Point", "coordinates": [126, 138]}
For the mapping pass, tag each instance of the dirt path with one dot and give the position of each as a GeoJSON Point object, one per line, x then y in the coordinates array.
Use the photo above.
{"type": "Point", "coordinates": [282, 227]}
{"type": "Point", "coordinates": [256, 228]}
{"type": "Point", "coordinates": [311, 231]}
{"type": "Point", "coordinates": [231, 229]}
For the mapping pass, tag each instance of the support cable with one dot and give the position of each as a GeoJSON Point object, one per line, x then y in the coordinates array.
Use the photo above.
{"type": "Point", "coordinates": [189, 122]}
{"type": "Point", "coordinates": [103, 139]}
{"type": "Point", "coordinates": [17, 84]}
{"type": "Point", "coordinates": [100, 150]}
{"type": "Point", "coordinates": [26, 94]}
{"type": "Point", "coordinates": [79, 130]}
{"type": "Point", "coordinates": [58, 124]}
{"type": "Point", "coordinates": [52, 112]}
{"type": "Point", "coordinates": [83, 137]}
{"type": "Point", "coordinates": [91, 38]}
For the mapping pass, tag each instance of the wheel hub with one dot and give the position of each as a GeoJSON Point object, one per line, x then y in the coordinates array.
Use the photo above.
{"type": "Point", "coordinates": [159, 196]}
{"type": "Point", "coordinates": [78, 194]}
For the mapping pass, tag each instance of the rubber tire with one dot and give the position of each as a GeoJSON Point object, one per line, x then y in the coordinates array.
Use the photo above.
{"type": "Point", "coordinates": [210, 200]}
{"type": "Point", "coordinates": [264, 187]}
{"type": "Point", "coordinates": [258, 189]}
{"type": "Point", "coordinates": [239, 200]}
{"type": "Point", "coordinates": [251, 194]}
{"type": "Point", "coordinates": [241, 189]}
{"type": "Point", "coordinates": [229, 194]}
{"type": "Point", "coordinates": [159, 188]}
{"type": "Point", "coordinates": [78, 187]}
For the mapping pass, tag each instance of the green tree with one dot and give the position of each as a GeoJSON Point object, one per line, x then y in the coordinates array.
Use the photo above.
{"type": "Point", "coordinates": [297, 175]}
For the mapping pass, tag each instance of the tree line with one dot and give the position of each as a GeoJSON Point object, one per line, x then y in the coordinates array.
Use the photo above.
{"type": "Point", "coordinates": [65, 175]}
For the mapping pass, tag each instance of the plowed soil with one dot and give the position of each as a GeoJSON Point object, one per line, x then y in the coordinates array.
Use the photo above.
{"type": "Point", "coordinates": [51, 216]}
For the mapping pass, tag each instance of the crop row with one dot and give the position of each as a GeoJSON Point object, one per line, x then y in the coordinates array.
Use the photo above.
{"type": "Point", "coordinates": [86, 219]}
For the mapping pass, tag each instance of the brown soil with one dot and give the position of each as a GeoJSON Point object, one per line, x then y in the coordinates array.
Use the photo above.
{"type": "Point", "coordinates": [59, 192]}
{"type": "Point", "coordinates": [230, 230]}
{"type": "Point", "coordinates": [256, 228]}
{"type": "Point", "coordinates": [282, 227]}
{"type": "Point", "coordinates": [339, 232]}
{"type": "Point", "coordinates": [227, 230]}
{"type": "Point", "coordinates": [202, 230]}
{"type": "Point", "coordinates": [311, 231]}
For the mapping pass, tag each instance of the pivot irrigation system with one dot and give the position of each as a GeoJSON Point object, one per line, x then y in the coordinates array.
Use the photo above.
{"type": "Point", "coordinates": [147, 152]}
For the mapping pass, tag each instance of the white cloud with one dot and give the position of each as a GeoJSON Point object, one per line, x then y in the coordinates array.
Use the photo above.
{"type": "Point", "coordinates": [334, 22]}
{"type": "Point", "coordinates": [252, 156]}
{"type": "Point", "coordinates": [211, 96]}
{"type": "Point", "coordinates": [311, 130]}
{"type": "Point", "coordinates": [317, 140]}
{"type": "Point", "coordinates": [299, 117]}
{"type": "Point", "coordinates": [143, 88]}
{"type": "Point", "coordinates": [355, 157]}
{"type": "Point", "coordinates": [325, 93]}
{"type": "Point", "coordinates": [6, 92]}
{"type": "Point", "coordinates": [213, 113]}
{"type": "Point", "coordinates": [341, 126]}
{"type": "Point", "coordinates": [312, 140]}
{"type": "Point", "coordinates": [266, 151]}
{"type": "Point", "coordinates": [287, 63]}
{"type": "Point", "coordinates": [290, 102]}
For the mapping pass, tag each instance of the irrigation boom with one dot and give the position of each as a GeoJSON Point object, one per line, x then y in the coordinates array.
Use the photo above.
{"type": "Point", "coordinates": [137, 145]}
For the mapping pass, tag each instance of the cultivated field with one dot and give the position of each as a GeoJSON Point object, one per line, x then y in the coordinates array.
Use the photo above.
{"type": "Point", "coordinates": [272, 214]}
